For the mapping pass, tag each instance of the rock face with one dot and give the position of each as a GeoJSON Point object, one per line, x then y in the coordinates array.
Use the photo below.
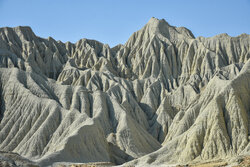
{"type": "Point", "coordinates": [8, 159]}
{"type": "Point", "coordinates": [164, 97]}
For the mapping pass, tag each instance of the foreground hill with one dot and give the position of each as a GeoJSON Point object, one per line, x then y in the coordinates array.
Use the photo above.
{"type": "Point", "coordinates": [164, 97]}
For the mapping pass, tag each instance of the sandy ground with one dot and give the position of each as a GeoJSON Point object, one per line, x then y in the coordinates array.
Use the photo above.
{"type": "Point", "coordinates": [242, 162]}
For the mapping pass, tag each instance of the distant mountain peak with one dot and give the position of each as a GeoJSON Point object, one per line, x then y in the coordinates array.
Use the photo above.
{"type": "Point", "coordinates": [23, 32]}
{"type": "Point", "coordinates": [161, 26]}
{"type": "Point", "coordinates": [156, 21]}
{"type": "Point", "coordinates": [155, 25]}
{"type": "Point", "coordinates": [162, 29]}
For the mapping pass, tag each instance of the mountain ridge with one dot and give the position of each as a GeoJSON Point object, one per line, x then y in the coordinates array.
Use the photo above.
{"type": "Point", "coordinates": [164, 97]}
{"type": "Point", "coordinates": [152, 18]}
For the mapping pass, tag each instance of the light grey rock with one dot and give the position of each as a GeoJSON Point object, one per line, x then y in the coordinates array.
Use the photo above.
{"type": "Point", "coordinates": [164, 97]}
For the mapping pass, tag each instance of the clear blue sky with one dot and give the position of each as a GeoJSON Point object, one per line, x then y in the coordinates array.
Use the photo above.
{"type": "Point", "coordinates": [113, 21]}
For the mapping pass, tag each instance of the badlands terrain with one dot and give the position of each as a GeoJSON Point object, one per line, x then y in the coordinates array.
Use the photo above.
{"type": "Point", "coordinates": [162, 98]}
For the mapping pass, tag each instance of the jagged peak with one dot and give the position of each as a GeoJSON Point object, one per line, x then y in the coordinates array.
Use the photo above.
{"type": "Point", "coordinates": [155, 26]}
{"type": "Point", "coordinates": [244, 35]}
{"type": "Point", "coordinates": [90, 42]}
{"type": "Point", "coordinates": [24, 32]}
{"type": "Point", "coordinates": [225, 36]}
{"type": "Point", "coordinates": [160, 28]}
{"type": "Point", "coordinates": [23, 28]}
{"type": "Point", "coordinates": [18, 28]}
{"type": "Point", "coordinates": [155, 22]}
{"type": "Point", "coordinates": [163, 27]}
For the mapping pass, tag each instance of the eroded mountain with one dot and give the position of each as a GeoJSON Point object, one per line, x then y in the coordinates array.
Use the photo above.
{"type": "Point", "coordinates": [164, 97]}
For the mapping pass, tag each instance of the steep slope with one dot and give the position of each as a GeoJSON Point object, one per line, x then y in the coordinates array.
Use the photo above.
{"type": "Point", "coordinates": [164, 96]}
{"type": "Point", "coordinates": [66, 123]}
{"type": "Point", "coordinates": [213, 127]}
